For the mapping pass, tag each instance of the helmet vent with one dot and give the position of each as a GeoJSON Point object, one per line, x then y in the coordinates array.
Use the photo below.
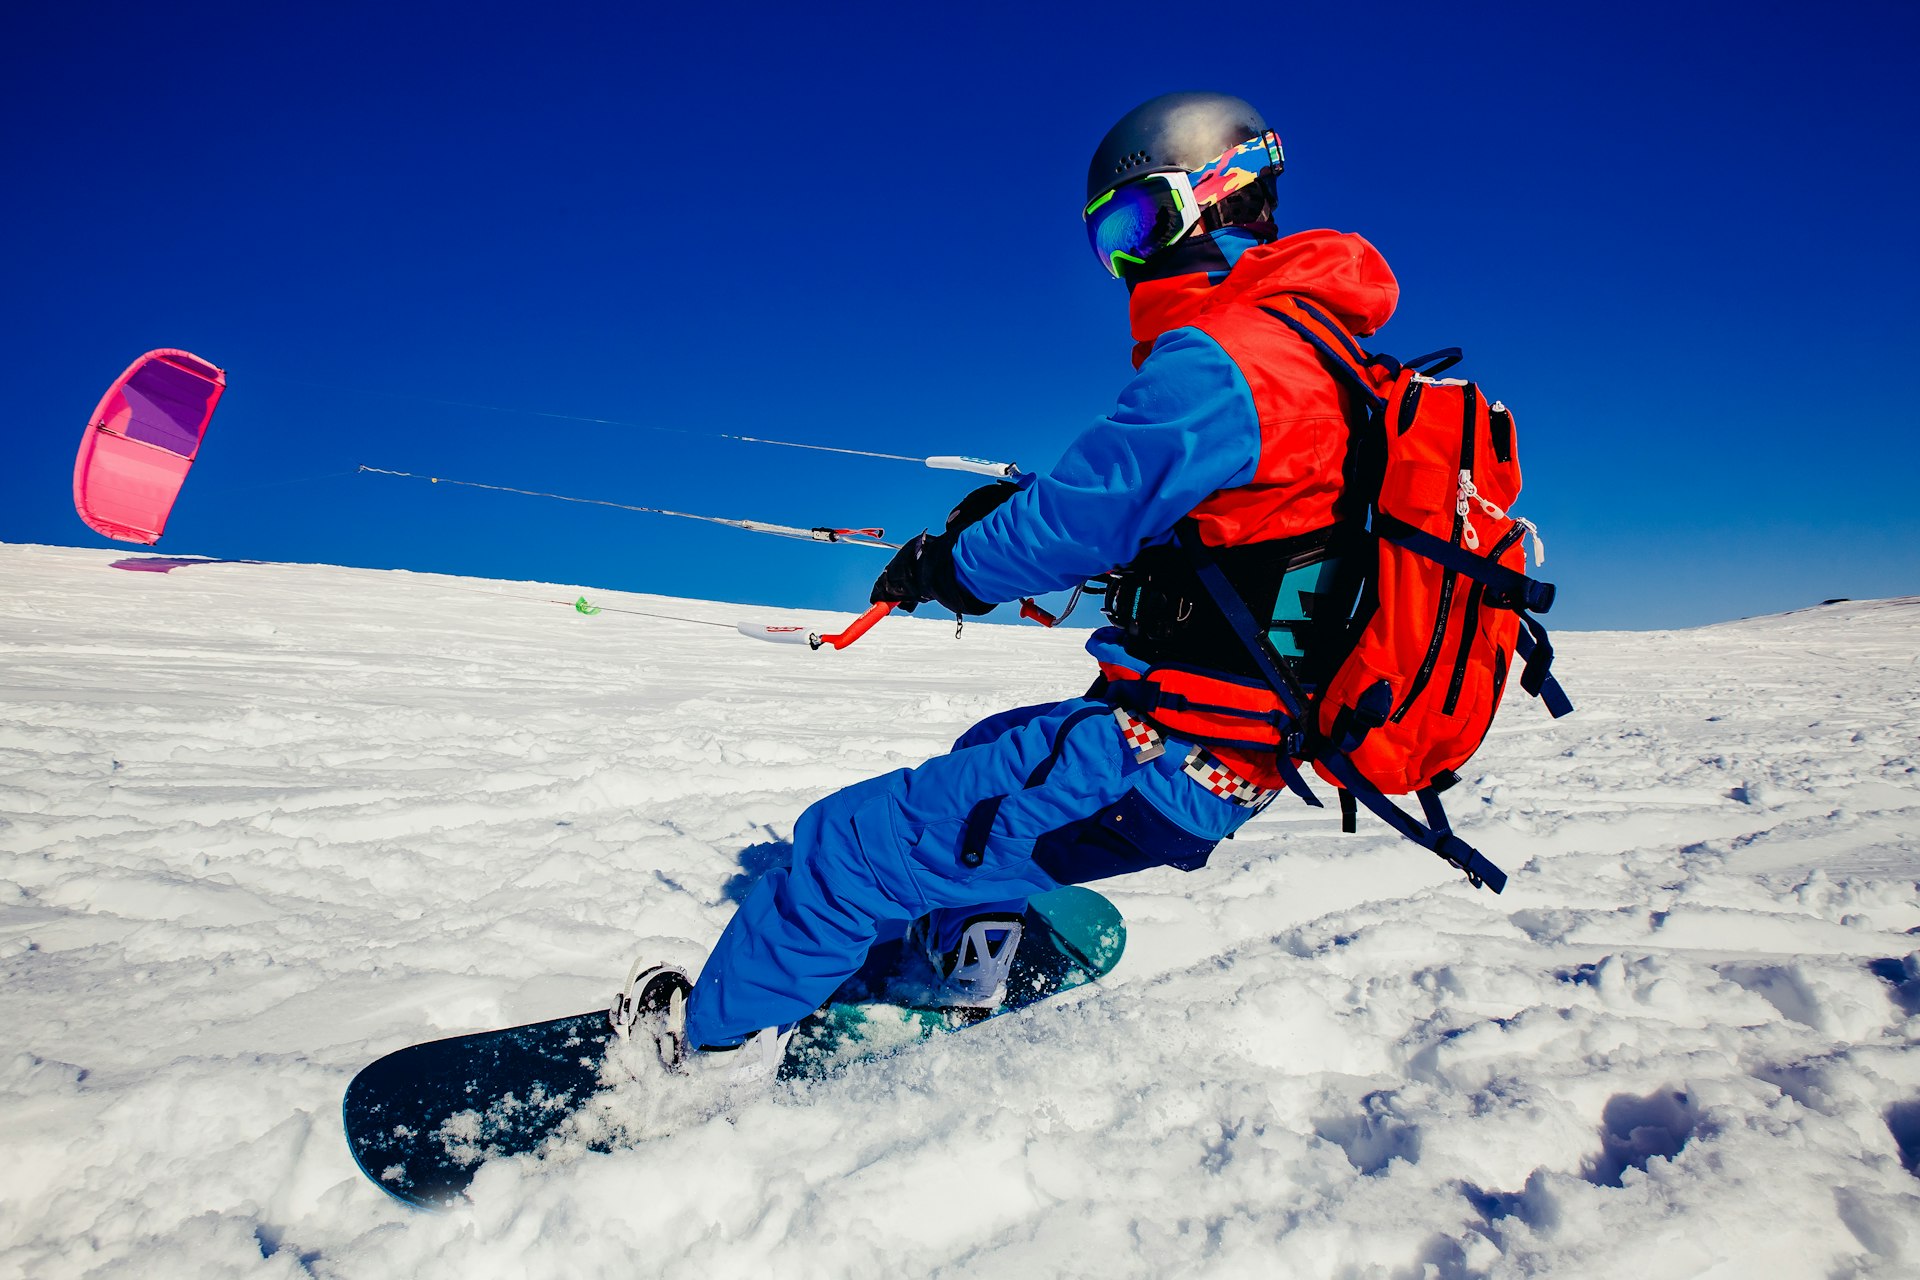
{"type": "Point", "coordinates": [1128, 162]}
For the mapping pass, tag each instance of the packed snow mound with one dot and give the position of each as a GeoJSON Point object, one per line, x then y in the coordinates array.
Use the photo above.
{"type": "Point", "coordinates": [260, 824]}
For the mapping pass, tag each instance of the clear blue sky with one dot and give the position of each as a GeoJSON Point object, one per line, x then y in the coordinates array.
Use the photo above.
{"type": "Point", "coordinates": [1677, 239]}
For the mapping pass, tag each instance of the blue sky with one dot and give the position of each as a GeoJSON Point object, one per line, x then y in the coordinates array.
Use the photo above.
{"type": "Point", "coordinates": [1677, 239]}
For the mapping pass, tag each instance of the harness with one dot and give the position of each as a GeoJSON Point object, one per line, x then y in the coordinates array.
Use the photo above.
{"type": "Point", "coordinates": [1306, 587]}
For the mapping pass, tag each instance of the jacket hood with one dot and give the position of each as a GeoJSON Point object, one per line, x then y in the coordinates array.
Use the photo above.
{"type": "Point", "coordinates": [1339, 271]}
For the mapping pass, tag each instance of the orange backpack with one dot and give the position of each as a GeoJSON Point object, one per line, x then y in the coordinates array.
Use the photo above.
{"type": "Point", "coordinates": [1446, 609]}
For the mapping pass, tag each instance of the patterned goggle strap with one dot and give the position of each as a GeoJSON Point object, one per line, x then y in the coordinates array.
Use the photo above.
{"type": "Point", "coordinates": [1237, 169]}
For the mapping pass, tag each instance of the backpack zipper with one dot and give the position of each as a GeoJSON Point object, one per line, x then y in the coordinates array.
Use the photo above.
{"type": "Point", "coordinates": [1470, 619]}
{"type": "Point", "coordinates": [1468, 401]}
{"type": "Point", "coordinates": [1500, 428]}
{"type": "Point", "coordinates": [1408, 404]}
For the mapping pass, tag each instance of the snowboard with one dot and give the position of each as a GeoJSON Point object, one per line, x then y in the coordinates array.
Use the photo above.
{"type": "Point", "coordinates": [422, 1120]}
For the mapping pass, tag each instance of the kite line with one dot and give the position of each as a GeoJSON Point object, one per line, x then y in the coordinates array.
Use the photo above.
{"type": "Point", "coordinates": [823, 533]}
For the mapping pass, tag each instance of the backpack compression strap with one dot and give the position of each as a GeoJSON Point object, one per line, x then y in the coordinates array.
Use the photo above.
{"type": "Point", "coordinates": [1506, 589]}
{"type": "Point", "coordinates": [1438, 837]}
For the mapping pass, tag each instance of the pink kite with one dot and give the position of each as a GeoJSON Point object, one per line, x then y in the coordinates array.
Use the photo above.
{"type": "Point", "coordinates": [141, 441]}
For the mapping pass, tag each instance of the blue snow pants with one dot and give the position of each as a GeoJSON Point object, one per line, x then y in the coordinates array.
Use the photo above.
{"type": "Point", "coordinates": [1026, 801]}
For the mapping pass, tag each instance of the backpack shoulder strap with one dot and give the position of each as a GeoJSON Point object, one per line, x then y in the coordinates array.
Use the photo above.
{"type": "Point", "coordinates": [1352, 365]}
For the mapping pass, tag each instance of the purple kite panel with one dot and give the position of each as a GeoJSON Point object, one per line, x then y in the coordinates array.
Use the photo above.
{"type": "Point", "coordinates": [170, 406]}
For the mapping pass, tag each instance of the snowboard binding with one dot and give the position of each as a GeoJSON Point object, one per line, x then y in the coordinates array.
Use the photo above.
{"type": "Point", "coordinates": [972, 974]}
{"type": "Point", "coordinates": [654, 1002]}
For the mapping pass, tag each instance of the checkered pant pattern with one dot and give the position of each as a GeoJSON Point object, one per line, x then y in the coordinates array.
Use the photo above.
{"type": "Point", "coordinates": [1201, 765]}
{"type": "Point", "coordinates": [1142, 738]}
{"type": "Point", "coordinates": [1207, 770]}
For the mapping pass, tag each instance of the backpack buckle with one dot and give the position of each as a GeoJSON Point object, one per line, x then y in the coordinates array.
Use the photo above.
{"type": "Point", "coordinates": [1533, 597]}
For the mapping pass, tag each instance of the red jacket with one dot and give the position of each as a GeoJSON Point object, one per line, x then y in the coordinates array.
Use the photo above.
{"type": "Point", "coordinates": [1302, 409]}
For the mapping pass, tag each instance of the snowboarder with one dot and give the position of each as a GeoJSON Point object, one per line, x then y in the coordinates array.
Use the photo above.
{"type": "Point", "coordinates": [1231, 422]}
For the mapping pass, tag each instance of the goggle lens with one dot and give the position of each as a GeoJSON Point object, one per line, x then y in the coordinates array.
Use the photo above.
{"type": "Point", "coordinates": [1131, 223]}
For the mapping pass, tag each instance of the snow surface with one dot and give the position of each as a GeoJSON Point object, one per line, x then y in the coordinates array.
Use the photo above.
{"type": "Point", "coordinates": [262, 823]}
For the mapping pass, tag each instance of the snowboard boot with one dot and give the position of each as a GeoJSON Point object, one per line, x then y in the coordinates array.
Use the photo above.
{"type": "Point", "coordinates": [654, 1003]}
{"type": "Point", "coordinates": [972, 974]}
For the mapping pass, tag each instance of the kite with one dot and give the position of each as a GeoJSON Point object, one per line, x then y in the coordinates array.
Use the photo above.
{"type": "Point", "coordinates": [141, 441]}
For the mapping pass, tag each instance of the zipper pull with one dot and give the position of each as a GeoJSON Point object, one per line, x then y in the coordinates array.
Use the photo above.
{"type": "Point", "coordinates": [1469, 536]}
{"type": "Point", "coordinates": [1469, 490]}
{"type": "Point", "coordinates": [1539, 543]}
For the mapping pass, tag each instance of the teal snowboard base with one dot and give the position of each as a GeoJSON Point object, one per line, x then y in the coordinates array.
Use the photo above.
{"type": "Point", "coordinates": [421, 1120]}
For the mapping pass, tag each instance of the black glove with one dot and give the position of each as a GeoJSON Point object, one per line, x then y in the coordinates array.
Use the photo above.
{"type": "Point", "coordinates": [976, 505]}
{"type": "Point", "coordinates": [900, 580]}
{"type": "Point", "coordinates": [922, 570]}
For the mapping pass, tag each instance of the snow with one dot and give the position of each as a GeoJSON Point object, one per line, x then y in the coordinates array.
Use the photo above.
{"type": "Point", "coordinates": [262, 823]}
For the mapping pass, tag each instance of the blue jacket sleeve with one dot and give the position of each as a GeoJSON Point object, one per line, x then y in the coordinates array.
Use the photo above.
{"type": "Point", "coordinates": [1185, 427]}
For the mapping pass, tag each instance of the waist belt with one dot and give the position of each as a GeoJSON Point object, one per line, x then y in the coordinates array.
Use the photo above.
{"type": "Point", "coordinates": [1201, 765]}
{"type": "Point", "coordinates": [1206, 707]}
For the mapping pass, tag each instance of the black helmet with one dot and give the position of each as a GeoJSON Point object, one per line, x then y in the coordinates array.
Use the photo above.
{"type": "Point", "coordinates": [1175, 132]}
{"type": "Point", "coordinates": [1179, 134]}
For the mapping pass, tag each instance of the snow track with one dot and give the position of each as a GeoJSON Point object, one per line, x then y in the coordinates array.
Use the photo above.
{"type": "Point", "coordinates": [262, 823]}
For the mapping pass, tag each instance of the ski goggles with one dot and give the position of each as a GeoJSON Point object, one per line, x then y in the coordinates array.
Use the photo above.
{"type": "Point", "coordinates": [1139, 218]}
